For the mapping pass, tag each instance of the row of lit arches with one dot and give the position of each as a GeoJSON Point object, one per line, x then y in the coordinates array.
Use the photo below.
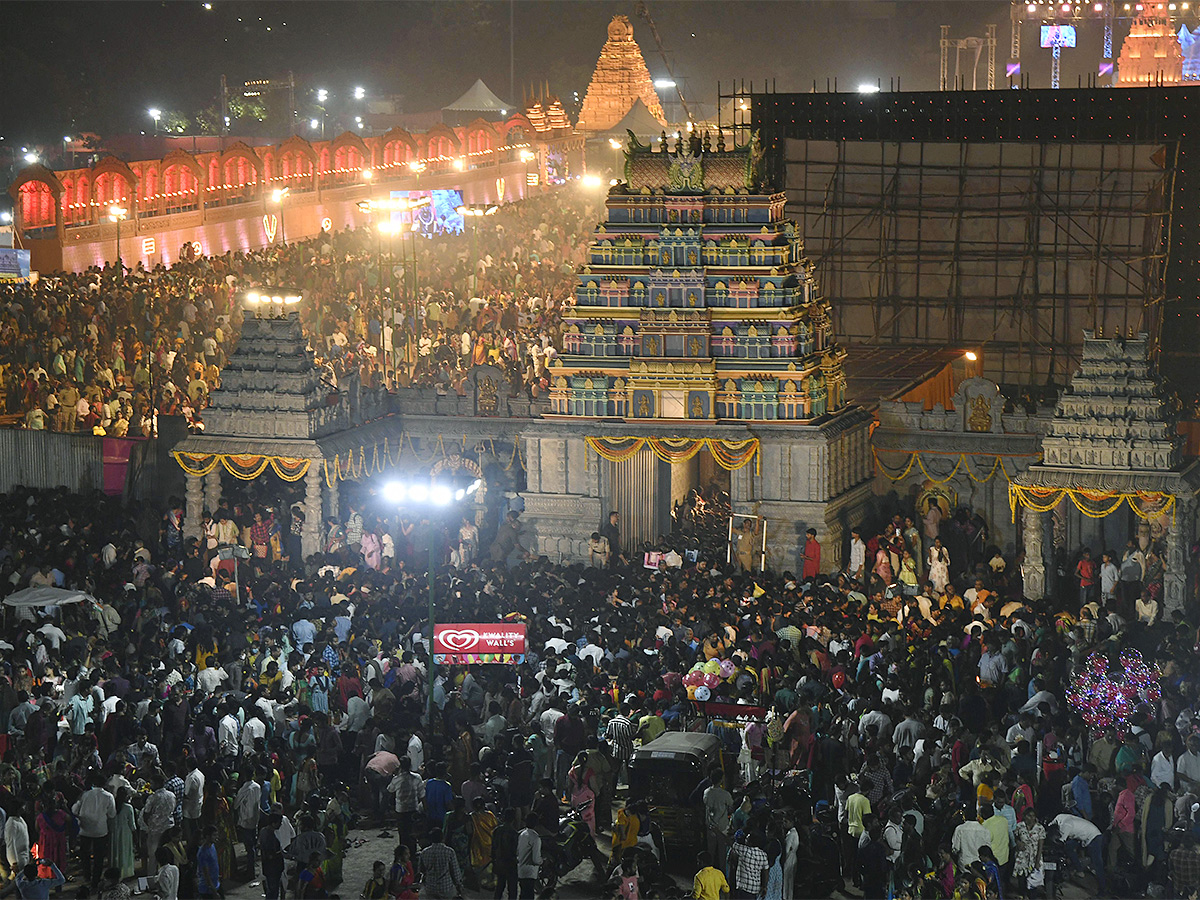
{"type": "Point", "coordinates": [181, 180]}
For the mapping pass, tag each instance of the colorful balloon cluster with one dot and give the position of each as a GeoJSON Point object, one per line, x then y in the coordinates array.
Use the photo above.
{"type": "Point", "coordinates": [1107, 697]}
{"type": "Point", "coordinates": [704, 677]}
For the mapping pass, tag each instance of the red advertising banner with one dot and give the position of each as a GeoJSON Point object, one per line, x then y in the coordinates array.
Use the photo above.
{"type": "Point", "coordinates": [494, 642]}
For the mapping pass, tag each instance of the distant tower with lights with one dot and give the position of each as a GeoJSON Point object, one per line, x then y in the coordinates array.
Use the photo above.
{"type": "Point", "coordinates": [620, 78]}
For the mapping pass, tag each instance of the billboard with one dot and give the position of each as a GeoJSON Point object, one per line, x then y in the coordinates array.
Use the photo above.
{"type": "Point", "coordinates": [439, 216]}
{"type": "Point", "coordinates": [14, 265]}
{"type": "Point", "coordinates": [1058, 36]}
{"type": "Point", "coordinates": [493, 642]}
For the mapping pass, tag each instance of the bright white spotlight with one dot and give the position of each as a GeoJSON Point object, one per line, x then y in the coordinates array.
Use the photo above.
{"type": "Point", "coordinates": [971, 356]}
{"type": "Point", "coordinates": [394, 492]}
{"type": "Point", "coordinates": [31, 158]}
{"type": "Point", "coordinates": [314, 124]}
{"type": "Point", "coordinates": [440, 495]}
{"type": "Point", "coordinates": [359, 93]}
{"type": "Point", "coordinates": [419, 493]}
{"type": "Point", "coordinates": [590, 181]}
{"type": "Point", "coordinates": [868, 89]}
{"type": "Point", "coordinates": [459, 494]}
{"type": "Point", "coordinates": [662, 83]}
{"type": "Point", "coordinates": [473, 486]}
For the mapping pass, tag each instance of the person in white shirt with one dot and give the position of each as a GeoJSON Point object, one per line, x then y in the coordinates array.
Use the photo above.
{"type": "Point", "coordinates": [247, 809]}
{"type": "Point", "coordinates": [968, 838]}
{"type": "Point", "coordinates": [1076, 831]}
{"type": "Point", "coordinates": [94, 808]}
{"type": "Point", "coordinates": [16, 842]}
{"type": "Point", "coordinates": [254, 729]}
{"type": "Point", "coordinates": [167, 879]}
{"type": "Point", "coordinates": [212, 677]}
{"type": "Point", "coordinates": [858, 555]}
{"type": "Point", "coordinates": [227, 731]}
{"type": "Point", "coordinates": [193, 800]}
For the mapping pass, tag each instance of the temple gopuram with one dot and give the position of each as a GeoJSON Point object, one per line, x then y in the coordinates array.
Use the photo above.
{"type": "Point", "coordinates": [700, 352]}
{"type": "Point", "coordinates": [620, 78]}
{"type": "Point", "coordinates": [697, 302]}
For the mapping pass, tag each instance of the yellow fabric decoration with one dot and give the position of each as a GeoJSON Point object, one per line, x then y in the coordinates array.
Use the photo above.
{"type": "Point", "coordinates": [729, 455]}
{"type": "Point", "coordinates": [243, 466]}
{"type": "Point", "coordinates": [1088, 502]}
{"type": "Point", "coordinates": [914, 459]}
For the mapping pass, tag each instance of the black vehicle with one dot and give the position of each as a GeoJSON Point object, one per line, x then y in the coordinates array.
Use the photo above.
{"type": "Point", "coordinates": [665, 772]}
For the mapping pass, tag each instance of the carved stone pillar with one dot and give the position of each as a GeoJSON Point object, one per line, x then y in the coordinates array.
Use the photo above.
{"type": "Point", "coordinates": [331, 500]}
{"type": "Point", "coordinates": [212, 489]}
{"type": "Point", "coordinates": [310, 532]}
{"type": "Point", "coordinates": [194, 497]}
{"type": "Point", "coordinates": [1179, 532]}
{"type": "Point", "coordinates": [1033, 571]}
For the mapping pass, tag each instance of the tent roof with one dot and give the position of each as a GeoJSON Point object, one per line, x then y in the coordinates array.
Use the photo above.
{"type": "Point", "coordinates": [640, 121]}
{"type": "Point", "coordinates": [478, 98]}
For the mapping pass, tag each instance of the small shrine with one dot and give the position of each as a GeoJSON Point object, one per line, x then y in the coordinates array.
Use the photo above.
{"type": "Point", "coordinates": [1112, 468]}
{"type": "Point", "coordinates": [268, 414]}
{"type": "Point", "coordinates": [620, 78]}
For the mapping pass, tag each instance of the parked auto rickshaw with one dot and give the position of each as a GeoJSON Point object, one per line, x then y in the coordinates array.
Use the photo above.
{"type": "Point", "coordinates": [665, 773]}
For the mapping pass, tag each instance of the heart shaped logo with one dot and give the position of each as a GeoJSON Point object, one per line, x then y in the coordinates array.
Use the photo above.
{"type": "Point", "coordinates": [270, 224]}
{"type": "Point", "coordinates": [459, 641]}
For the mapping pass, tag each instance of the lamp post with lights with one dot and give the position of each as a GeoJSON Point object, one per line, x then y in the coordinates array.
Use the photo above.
{"type": "Point", "coordinates": [277, 197]}
{"type": "Point", "coordinates": [155, 114]}
{"type": "Point", "coordinates": [118, 214]}
{"type": "Point", "coordinates": [388, 227]}
{"type": "Point", "coordinates": [425, 495]}
{"type": "Point", "coordinates": [474, 211]}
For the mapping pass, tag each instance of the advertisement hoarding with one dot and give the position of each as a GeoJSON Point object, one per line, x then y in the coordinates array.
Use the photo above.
{"type": "Point", "coordinates": [493, 642]}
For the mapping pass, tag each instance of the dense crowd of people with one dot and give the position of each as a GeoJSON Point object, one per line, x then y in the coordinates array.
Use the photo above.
{"type": "Point", "coordinates": [204, 730]}
{"type": "Point", "coordinates": [98, 351]}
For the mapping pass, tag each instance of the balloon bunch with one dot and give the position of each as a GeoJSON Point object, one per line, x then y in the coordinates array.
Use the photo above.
{"type": "Point", "coordinates": [1107, 697]}
{"type": "Point", "coordinates": [704, 677]}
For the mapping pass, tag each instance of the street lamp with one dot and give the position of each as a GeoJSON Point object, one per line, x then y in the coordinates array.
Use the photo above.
{"type": "Point", "coordinates": [277, 197]}
{"type": "Point", "coordinates": [155, 114]}
{"type": "Point", "coordinates": [427, 495]}
{"type": "Point", "coordinates": [389, 227]}
{"type": "Point", "coordinates": [368, 174]}
{"type": "Point", "coordinates": [360, 93]}
{"type": "Point", "coordinates": [118, 214]}
{"type": "Point", "coordinates": [475, 211]}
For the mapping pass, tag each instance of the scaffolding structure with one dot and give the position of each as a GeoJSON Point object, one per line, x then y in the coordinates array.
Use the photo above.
{"type": "Point", "coordinates": [1007, 249]}
{"type": "Point", "coordinates": [1001, 222]}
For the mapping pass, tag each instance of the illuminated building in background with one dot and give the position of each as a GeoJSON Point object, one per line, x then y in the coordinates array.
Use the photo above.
{"type": "Point", "coordinates": [1151, 54]}
{"type": "Point", "coordinates": [620, 78]}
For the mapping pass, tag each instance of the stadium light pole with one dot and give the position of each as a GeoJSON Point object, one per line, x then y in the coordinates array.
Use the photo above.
{"type": "Point", "coordinates": [427, 495]}
{"type": "Point", "coordinates": [277, 197]}
{"type": "Point", "coordinates": [474, 211]}
{"type": "Point", "coordinates": [118, 214]}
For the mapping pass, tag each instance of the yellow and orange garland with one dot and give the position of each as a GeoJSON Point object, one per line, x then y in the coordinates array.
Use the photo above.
{"type": "Point", "coordinates": [729, 455]}
{"type": "Point", "coordinates": [1093, 504]}
{"type": "Point", "coordinates": [243, 466]}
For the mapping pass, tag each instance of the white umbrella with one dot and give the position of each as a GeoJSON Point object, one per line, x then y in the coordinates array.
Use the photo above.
{"type": "Point", "coordinates": [46, 596]}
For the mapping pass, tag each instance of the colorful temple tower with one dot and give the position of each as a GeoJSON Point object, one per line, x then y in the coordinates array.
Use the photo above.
{"type": "Point", "coordinates": [698, 302]}
{"type": "Point", "coordinates": [620, 78]}
{"type": "Point", "coordinates": [699, 351]}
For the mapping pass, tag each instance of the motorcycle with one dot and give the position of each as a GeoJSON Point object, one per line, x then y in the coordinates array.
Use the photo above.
{"type": "Point", "coordinates": [572, 845]}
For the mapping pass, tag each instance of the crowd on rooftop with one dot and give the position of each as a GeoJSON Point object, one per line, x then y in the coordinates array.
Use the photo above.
{"type": "Point", "coordinates": [97, 350]}
{"type": "Point", "coordinates": [206, 731]}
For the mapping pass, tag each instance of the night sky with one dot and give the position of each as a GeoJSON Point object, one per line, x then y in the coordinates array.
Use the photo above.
{"type": "Point", "coordinates": [97, 66]}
